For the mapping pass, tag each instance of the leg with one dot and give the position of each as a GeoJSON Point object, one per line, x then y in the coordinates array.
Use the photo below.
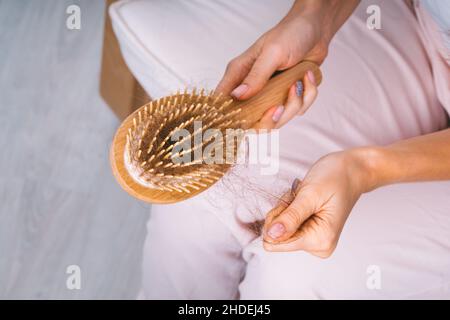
{"type": "Point", "coordinates": [190, 254]}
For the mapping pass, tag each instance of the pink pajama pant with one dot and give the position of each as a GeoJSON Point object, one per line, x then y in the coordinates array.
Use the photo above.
{"type": "Point", "coordinates": [380, 86]}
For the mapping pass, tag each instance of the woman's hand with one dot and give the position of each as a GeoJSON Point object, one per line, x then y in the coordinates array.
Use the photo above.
{"type": "Point", "coordinates": [304, 34]}
{"type": "Point", "coordinates": [319, 205]}
{"type": "Point", "coordinates": [312, 216]}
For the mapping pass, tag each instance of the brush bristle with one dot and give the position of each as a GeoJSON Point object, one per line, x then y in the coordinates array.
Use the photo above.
{"type": "Point", "coordinates": [150, 151]}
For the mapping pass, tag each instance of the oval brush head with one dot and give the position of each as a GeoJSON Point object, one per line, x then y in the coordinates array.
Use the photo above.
{"type": "Point", "coordinates": [152, 161]}
{"type": "Point", "coordinates": [157, 161]}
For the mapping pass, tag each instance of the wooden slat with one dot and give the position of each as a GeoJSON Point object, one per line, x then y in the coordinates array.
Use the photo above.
{"type": "Point", "coordinates": [118, 87]}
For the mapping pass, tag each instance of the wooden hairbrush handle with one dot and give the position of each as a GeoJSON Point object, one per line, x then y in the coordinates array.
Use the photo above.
{"type": "Point", "coordinates": [275, 92]}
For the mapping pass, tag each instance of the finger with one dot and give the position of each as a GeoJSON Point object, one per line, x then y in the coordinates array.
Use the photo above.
{"type": "Point", "coordinates": [306, 239]}
{"type": "Point", "coordinates": [310, 92]}
{"type": "Point", "coordinates": [295, 246]}
{"type": "Point", "coordinates": [300, 242]}
{"type": "Point", "coordinates": [263, 68]}
{"type": "Point", "coordinates": [288, 222]}
{"type": "Point", "coordinates": [270, 118]}
{"type": "Point", "coordinates": [236, 71]}
{"type": "Point", "coordinates": [282, 204]}
{"type": "Point", "coordinates": [293, 104]}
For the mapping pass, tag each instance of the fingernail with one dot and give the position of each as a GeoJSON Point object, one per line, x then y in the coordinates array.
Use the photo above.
{"type": "Point", "coordinates": [276, 231]}
{"type": "Point", "coordinates": [295, 185]}
{"type": "Point", "coordinates": [278, 113]}
{"type": "Point", "coordinates": [239, 91]}
{"type": "Point", "coordinates": [311, 77]}
{"type": "Point", "coordinates": [299, 88]}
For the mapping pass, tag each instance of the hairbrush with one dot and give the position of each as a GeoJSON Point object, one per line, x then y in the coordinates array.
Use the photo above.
{"type": "Point", "coordinates": [143, 151]}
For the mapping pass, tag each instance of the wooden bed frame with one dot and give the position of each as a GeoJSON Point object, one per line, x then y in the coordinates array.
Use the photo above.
{"type": "Point", "coordinates": [118, 87]}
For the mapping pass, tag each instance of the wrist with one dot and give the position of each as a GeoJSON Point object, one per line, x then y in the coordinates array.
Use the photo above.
{"type": "Point", "coordinates": [319, 14]}
{"type": "Point", "coordinates": [330, 15]}
{"type": "Point", "coordinates": [367, 164]}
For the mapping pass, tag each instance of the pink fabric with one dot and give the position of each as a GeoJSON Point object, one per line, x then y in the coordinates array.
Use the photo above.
{"type": "Point", "coordinates": [378, 88]}
{"type": "Point", "coordinates": [438, 54]}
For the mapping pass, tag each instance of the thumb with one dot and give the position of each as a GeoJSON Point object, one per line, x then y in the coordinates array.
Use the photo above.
{"type": "Point", "coordinates": [287, 223]}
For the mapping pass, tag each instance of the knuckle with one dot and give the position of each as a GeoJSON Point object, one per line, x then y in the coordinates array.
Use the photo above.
{"type": "Point", "coordinates": [308, 195]}
{"type": "Point", "coordinates": [275, 50]}
{"type": "Point", "coordinates": [255, 76]}
{"type": "Point", "coordinates": [297, 107]}
{"type": "Point", "coordinates": [328, 244]}
{"type": "Point", "coordinates": [234, 63]}
{"type": "Point", "coordinates": [325, 254]}
{"type": "Point", "coordinates": [293, 216]}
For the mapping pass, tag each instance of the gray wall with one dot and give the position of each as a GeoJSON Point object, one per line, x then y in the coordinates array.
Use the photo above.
{"type": "Point", "coordinates": [59, 204]}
